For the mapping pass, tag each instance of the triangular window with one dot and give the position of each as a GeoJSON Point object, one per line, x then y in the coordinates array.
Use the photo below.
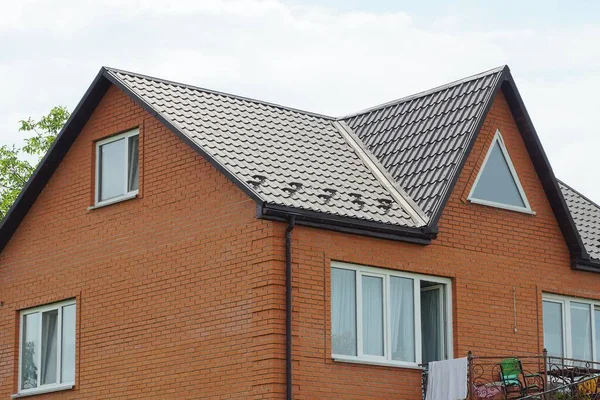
{"type": "Point", "coordinates": [497, 184]}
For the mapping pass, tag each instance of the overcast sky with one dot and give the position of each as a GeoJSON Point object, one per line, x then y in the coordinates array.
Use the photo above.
{"type": "Point", "coordinates": [330, 56]}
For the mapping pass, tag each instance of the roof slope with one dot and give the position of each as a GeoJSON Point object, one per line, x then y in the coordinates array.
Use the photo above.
{"type": "Point", "coordinates": [422, 139]}
{"type": "Point", "coordinates": [586, 214]}
{"type": "Point", "coordinates": [284, 156]}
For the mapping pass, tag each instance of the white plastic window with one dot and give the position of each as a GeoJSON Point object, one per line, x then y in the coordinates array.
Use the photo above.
{"type": "Point", "coordinates": [117, 167]}
{"type": "Point", "coordinates": [47, 347]}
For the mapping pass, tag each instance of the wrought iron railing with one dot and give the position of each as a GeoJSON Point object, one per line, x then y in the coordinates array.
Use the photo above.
{"type": "Point", "coordinates": [523, 377]}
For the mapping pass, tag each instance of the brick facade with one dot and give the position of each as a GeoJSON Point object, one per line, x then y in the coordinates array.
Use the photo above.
{"type": "Point", "coordinates": [180, 292]}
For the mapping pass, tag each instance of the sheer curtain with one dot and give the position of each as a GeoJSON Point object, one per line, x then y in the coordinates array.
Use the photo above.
{"type": "Point", "coordinates": [553, 327]}
{"type": "Point", "coordinates": [402, 319]}
{"type": "Point", "coordinates": [132, 173]}
{"type": "Point", "coordinates": [581, 331]}
{"type": "Point", "coordinates": [68, 344]}
{"type": "Point", "coordinates": [372, 299]}
{"type": "Point", "coordinates": [49, 346]}
{"type": "Point", "coordinates": [343, 311]}
{"type": "Point", "coordinates": [430, 325]}
{"type": "Point", "coordinates": [597, 323]}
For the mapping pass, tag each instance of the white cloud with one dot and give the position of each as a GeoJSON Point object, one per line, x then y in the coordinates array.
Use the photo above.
{"type": "Point", "coordinates": [313, 58]}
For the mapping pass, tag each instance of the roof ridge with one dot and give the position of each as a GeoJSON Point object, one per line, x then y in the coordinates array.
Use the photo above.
{"type": "Point", "coordinates": [382, 175]}
{"type": "Point", "coordinates": [220, 93]}
{"type": "Point", "coordinates": [425, 92]}
{"type": "Point", "coordinates": [580, 194]}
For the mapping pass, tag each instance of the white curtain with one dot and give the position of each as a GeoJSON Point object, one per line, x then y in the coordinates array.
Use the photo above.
{"type": "Point", "coordinates": [372, 299]}
{"type": "Point", "coordinates": [402, 319]}
{"type": "Point", "coordinates": [68, 344]}
{"type": "Point", "coordinates": [343, 311]}
{"type": "Point", "coordinates": [430, 325]}
{"type": "Point", "coordinates": [132, 173]}
{"type": "Point", "coordinates": [49, 346]}
{"type": "Point", "coordinates": [581, 331]}
{"type": "Point", "coordinates": [553, 328]}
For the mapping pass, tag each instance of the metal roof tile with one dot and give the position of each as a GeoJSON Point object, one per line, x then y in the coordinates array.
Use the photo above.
{"type": "Point", "coordinates": [586, 215]}
{"type": "Point", "coordinates": [428, 134]}
{"type": "Point", "coordinates": [283, 145]}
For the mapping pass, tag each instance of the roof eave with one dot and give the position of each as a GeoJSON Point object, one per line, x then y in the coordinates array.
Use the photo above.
{"type": "Point", "coordinates": [544, 170]}
{"type": "Point", "coordinates": [423, 235]}
{"type": "Point", "coordinates": [585, 264]}
{"type": "Point", "coordinates": [67, 135]}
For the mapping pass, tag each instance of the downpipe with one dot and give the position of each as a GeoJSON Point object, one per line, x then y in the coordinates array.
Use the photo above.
{"type": "Point", "coordinates": [288, 307]}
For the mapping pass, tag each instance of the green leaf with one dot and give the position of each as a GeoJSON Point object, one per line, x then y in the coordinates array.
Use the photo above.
{"type": "Point", "coordinates": [15, 170]}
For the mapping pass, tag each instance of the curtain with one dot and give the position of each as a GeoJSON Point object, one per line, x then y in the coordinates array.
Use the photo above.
{"type": "Point", "coordinates": [343, 311]}
{"type": "Point", "coordinates": [581, 331]}
{"type": "Point", "coordinates": [132, 172]}
{"type": "Point", "coordinates": [430, 325]}
{"type": "Point", "coordinates": [68, 344]}
{"type": "Point", "coordinates": [402, 319]}
{"type": "Point", "coordinates": [597, 323]}
{"type": "Point", "coordinates": [553, 328]}
{"type": "Point", "coordinates": [372, 299]}
{"type": "Point", "coordinates": [49, 346]}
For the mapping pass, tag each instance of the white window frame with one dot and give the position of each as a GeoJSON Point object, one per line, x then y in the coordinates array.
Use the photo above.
{"type": "Point", "coordinates": [565, 301]}
{"type": "Point", "coordinates": [48, 387]}
{"type": "Point", "coordinates": [386, 360]}
{"type": "Point", "coordinates": [500, 141]}
{"type": "Point", "coordinates": [127, 193]}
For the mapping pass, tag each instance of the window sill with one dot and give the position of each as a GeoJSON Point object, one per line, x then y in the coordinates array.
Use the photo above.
{"type": "Point", "coordinates": [129, 196]}
{"type": "Point", "coordinates": [34, 392]}
{"type": "Point", "coordinates": [352, 360]}
{"type": "Point", "coordinates": [502, 206]}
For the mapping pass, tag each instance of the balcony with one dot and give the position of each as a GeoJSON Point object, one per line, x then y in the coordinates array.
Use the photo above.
{"type": "Point", "coordinates": [540, 377]}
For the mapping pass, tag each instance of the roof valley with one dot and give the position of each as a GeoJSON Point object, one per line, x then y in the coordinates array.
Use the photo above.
{"type": "Point", "coordinates": [382, 174]}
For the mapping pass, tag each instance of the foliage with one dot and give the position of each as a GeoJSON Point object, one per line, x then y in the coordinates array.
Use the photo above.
{"type": "Point", "coordinates": [17, 164]}
{"type": "Point", "coordinates": [29, 369]}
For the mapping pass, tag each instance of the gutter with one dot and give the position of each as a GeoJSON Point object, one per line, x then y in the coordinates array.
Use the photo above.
{"type": "Point", "coordinates": [423, 235]}
{"type": "Point", "coordinates": [585, 264]}
{"type": "Point", "coordinates": [288, 307]}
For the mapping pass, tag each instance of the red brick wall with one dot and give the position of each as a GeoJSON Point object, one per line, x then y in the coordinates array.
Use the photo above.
{"type": "Point", "coordinates": [175, 289]}
{"type": "Point", "coordinates": [180, 293]}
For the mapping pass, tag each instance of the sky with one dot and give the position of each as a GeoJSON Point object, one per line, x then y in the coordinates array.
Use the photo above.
{"type": "Point", "coordinates": [332, 57]}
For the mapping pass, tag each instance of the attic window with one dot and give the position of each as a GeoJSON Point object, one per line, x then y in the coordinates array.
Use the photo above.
{"type": "Point", "coordinates": [497, 183]}
{"type": "Point", "coordinates": [117, 168]}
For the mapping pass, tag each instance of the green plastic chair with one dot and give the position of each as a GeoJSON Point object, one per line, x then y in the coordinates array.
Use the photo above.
{"type": "Point", "coordinates": [514, 379]}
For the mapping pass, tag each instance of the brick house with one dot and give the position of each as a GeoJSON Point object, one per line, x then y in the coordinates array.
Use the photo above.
{"type": "Point", "coordinates": [151, 253]}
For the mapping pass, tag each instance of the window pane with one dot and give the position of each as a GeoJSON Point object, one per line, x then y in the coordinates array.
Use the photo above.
{"type": "Point", "coordinates": [496, 182]}
{"type": "Point", "coordinates": [49, 346]}
{"type": "Point", "coordinates": [402, 318]}
{"type": "Point", "coordinates": [343, 311]}
{"type": "Point", "coordinates": [30, 350]}
{"type": "Point", "coordinates": [68, 344]}
{"type": "Point", "coordinates": [581, 331]}
{"type": "Point", "coordinates": [431, 325]}
{"type": "Point", "coordinates": [372, 299]}
{"type": "Point", "coordinates": [112, 169]}
{"type": "Point", "coordinates": [553, 328]}
{"type": "Point", "coordinates": [132, 171]}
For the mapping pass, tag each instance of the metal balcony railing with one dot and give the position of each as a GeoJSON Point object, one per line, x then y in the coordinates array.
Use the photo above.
{"type": "Point", "coordinates": [523, 377]}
